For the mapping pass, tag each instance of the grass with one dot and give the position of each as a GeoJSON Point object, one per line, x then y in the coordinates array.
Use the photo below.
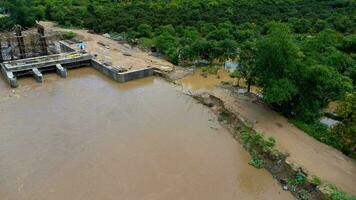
{"type": "Point", "coordinates": [317, 130]}
{"type": "Point", "coordinates": [337, 194]}
{"type": "Point", "coordinates": [320, 132]}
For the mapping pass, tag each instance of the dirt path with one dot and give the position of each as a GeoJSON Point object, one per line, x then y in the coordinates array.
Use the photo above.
{"type": "Point", "coordinates": [113, 51]}
{"type": "Point", "coordinates": [315, 157]}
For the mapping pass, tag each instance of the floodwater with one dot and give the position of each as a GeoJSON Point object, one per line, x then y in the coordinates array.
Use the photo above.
{"type": "Point", "coordinates": [198, 83]}
{"type": "Point", "coordinates": [88, 138]}
{"type": "Point", "coordinates": [304, 151]}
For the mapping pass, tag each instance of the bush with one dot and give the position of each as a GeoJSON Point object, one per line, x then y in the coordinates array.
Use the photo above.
{"type": "Point", "coordinates": [303, 194]}
{"type": "Point", "coordinates": [344, 133]}
{"type": "Point", "coordinates": [317, 130]}
{"type": "Point", "coordinates": [315, 180]}
{"type": "Point", "coordinates": [339, 195]}
{"type": "Point", "coordinates": [223, 117]}
{"type": "Point", "coordinates": [70, 35]}
{"type": "Point", "coordinates": [257, 162]}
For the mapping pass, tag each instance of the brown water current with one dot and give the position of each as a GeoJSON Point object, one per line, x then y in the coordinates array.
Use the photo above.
{"type": "Point", "coordinates": [89, 138]}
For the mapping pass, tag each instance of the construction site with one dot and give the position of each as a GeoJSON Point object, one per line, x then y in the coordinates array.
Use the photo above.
{"type": "Point", "coordinates": [36, 51]}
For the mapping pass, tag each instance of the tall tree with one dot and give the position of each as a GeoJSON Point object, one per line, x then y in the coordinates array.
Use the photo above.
{"type": "Point", "coordinates": [277, 58]}
{"type": "Point", "coordinates": [247, 64]}
{"type": "Point", "coordinates": [22, 12]}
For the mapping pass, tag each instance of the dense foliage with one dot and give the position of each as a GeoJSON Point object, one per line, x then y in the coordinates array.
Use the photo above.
{"type": "Point", "coordinates": [344, 133]}
{"type": "Point", "coordinates": [301, 52]}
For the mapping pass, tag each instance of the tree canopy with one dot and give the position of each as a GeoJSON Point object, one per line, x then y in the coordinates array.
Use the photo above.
{"type": "Point", "coordinates": [301, 52]}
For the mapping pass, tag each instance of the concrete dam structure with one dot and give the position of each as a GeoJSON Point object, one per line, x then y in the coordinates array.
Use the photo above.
{"type": "Point", "coordinates": [17, 61]}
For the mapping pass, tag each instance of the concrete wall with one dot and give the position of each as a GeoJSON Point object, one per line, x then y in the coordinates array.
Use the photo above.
{"type": "Point", "coordinates": [124, 76]}
{"type": "Point", "coordinates": [65, 48]}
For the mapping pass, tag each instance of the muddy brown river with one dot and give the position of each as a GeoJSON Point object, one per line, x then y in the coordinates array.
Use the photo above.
{"type": "Point", "coordinates": [89, 138]}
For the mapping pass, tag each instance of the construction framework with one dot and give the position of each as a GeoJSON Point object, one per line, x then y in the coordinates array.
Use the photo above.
{"type": "Point", "coordinates": [21, 44]}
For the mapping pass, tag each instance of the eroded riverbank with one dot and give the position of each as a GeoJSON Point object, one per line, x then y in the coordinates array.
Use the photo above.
{"type": "Point", "coordinates": [304, 151]}
{"type": "Point", "coordinates": [87, 137]}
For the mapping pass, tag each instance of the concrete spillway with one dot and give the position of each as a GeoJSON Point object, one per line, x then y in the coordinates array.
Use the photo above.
{"type": "Point", "coordinates": [60, 63]}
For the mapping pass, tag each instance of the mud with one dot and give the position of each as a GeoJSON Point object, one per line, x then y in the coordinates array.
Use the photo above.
{"type": "Point", "coordinates": [87, 137]}
{"type": "Point", "coordinates": [200, 82]}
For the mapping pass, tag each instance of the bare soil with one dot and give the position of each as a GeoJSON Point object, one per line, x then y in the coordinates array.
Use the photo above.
{"type": "Point", "coordinates": [118, 54]}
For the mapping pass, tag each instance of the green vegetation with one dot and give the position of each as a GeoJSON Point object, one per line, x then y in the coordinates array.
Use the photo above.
{"type": "Point", "coordinates": [257, 162]}
{"type": "Point", "coordinates": [344, 133]}
{"type": "Point", "coordinates": [299, 179]}
{"type": "Point", "coordinates": [317, 130]}
{"type": "Point", "coordinates": [336, 194]}
{"type": "Point", "coordinates": [315, 180]}
{"type": "Point", "coordinates": [69, 35]}
{"type": "Point", "coordinates": [303, 194]}
{"type": "Point", "coordinates": [300, 52]}
{"type": "Point", "coordinates": [257, 146]}
{"type": "Point", "coordinates": [223, 117]}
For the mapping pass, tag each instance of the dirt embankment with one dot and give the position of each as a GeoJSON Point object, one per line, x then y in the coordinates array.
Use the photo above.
{"type": "Point", "coordinates": [303, 151]}
{"type": "Point", "coordinates": [291, 177]}
{"type": "Point", "coordinates": [306, 152]}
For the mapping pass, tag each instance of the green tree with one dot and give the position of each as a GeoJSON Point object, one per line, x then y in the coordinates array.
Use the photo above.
{"type": "Point", "coordinates": [318, 85]}
{"type": "Point", "coordinates": [247, 64]}
{"type": "Point", "coordinates": [277, 58]}
{"type": "Point", "coordinates": [296, 88]}
{"type": "Point", "coordinates": [22, 12]}
{"type": "Point", "coordinates": [144, 30]}
{"type": "Point", "coordinates": [344, 133]}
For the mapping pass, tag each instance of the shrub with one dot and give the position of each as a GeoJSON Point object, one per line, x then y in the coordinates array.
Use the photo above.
{"type": "Point", "coordinates": [299, 179]}
{"type": "Point", "coordinates": [257, 162]}
{"type": "Point", "coordinates": [223, 117]}
{"type": "Point", "coordinates": [303, 194]}
{"type": "Point", "coordinates": [70, 35]}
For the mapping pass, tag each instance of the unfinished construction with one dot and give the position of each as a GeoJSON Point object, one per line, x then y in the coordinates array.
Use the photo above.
{"type": "Point", "coordinates": [32, 52]}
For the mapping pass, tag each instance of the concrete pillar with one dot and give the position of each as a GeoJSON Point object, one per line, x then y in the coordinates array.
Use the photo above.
{"type": "Point", "coordinates": [37, 75]}
{"type": "Point", "coordinates": [11, 78]}
{"type": "Point", "coordinates": [43, 41]}
{"type": "Point", "coordinates": [20, 41]}
{"type": "Point", "coordinates": [1, 59]}
{"type": "Point", "coordinates": [11, 49]}
{"type": "Point", "coordinates": [61, 71]}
